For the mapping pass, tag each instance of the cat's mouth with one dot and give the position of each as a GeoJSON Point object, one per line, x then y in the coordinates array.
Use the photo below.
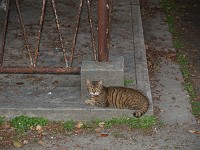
{"type": "Point", "coordinates": [95, 94]}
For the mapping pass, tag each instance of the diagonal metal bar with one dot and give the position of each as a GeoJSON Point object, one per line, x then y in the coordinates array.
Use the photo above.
{"type": "Point", "coordinates": [4, 32]}
{"type": "Point", "coordinates": [59, 33]}
{"type": "Point", "coordinates": [39, 32]}
{"type": "Point", "coordinates": [76, 30]}
{"type": "Point", "coordinates": [91, 29]}
{"type": "Point", "coordinates": [24, 33]}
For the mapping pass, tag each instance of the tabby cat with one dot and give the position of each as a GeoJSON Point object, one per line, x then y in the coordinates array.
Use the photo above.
{"type": "Point", "coordinates": [118, 97]}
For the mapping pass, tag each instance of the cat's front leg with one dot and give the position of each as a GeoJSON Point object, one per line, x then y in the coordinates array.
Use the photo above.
{"type": "Point", "coordinates": [91, 102]}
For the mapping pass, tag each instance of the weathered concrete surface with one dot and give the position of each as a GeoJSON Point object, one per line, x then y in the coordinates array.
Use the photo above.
{"type": "Point", "coordinates": [59, 96]}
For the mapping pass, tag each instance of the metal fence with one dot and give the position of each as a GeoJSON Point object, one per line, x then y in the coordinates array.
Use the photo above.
{"type": "Point", "coordinates": [101, 54]}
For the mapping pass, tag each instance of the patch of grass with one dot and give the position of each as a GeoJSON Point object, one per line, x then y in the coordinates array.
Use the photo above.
{"type": "Point", "coordinates": [182, 59]}
{"type": "Point", "coordinates": [183, 65]}
{"type": "Point", "coordinates": [169, 8]}
{"type": "Point", "coordinates": [188, 86]}
{"type": "Point", "coordinates": [187, 83]}
{"type": "Point", "coordinates": [69, 125]}
{"type": "Point", "coordinates": [127, 82]}
{"type": "Point", "coordinates": [177, 43]}
{"type": "Point", "coordinates": [196, 108]}
{"type": "Point", "coordinates": [141, 123]}
{"type": "Point", "coordinates": [2, 120]}
{"type": "Point", "coordinates": [23, 123]}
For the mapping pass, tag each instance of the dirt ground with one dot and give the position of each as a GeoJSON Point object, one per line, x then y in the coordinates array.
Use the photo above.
{"type": "Point", "coordinates": [166, 87]}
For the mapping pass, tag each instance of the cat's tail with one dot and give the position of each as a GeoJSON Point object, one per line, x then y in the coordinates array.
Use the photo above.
{"type": "Point", "coordinates": [142, 111]}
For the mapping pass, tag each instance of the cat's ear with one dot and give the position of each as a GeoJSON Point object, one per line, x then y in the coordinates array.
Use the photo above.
{"type": "Point", "coordinates": [88, 81]}
{"type": "Point", "coordinates": [100, 82]}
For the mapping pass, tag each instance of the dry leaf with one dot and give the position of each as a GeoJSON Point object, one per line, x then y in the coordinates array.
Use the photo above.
{"type": "Point", "coordinates": [98, 130]}
{"type": "Point", "coordinates": [101, 124]}
{"type": "Point", "coordinates": [25, 142]}
{"type": "Point", "coordinates": [17, 144]}
{"type": "Point", "coordinates": [194, 132]}
{"type": "Point", "coordinates": [41, 142]}
{"type": "Point", "coordinates": [79, 125]}
{"type": "Point", "coordinates": [78, 131]}
{"type": "Point", "coordinates": [38, 127]}
{"type": "Point", "coordinates": [104, 134]}
{"type": "Point", "coordinates": [7, 125]}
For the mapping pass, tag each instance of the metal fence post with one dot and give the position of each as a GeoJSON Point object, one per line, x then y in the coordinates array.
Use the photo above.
{"type": "Point", "coordinates": [103, 31]}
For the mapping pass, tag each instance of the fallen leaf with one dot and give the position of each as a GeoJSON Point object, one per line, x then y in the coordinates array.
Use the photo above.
{"type": "Point", "coordinates": [104, 134]}
{"type": "Point", "coordinates": [194, 132]}
{"type": "Point", "coordinates": [101, 124]}
{"type": "Point", "coordinates": [78, 131]}
{"type": "Point", "coordinates": [38, 127]}
{"type": "Point", "coordinates": [17, 144]}
{"type": "Point", "coordinates": [79, 125]}
{"type": "Point", "coordinates": [25, 142]}
{"type": "Point", "coordinates": [98, 130]}
{"type": "Point", "coordinates": [7, 125]}
{"type": "Point", "coordinates": [41, 142]}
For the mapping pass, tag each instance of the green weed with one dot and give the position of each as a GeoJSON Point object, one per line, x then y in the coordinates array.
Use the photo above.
{"type": "Point", "coordinates": [23, 123]}
{"type": "Point", "coordinates": [144, 122]}
{"type": "Point", "coordinates": [183, 65]}
{"type": "Point", "coordinates": [182, 59]}
{"type": "Point", "coordinates": [2, 119]}
{"type": "Point", "coordinates": [127, 82]}
{"type": "Point", "coordinates": [177, 43]}
{"type": "Point", "coordinates": [188, 86]}
{"type": "Point", "coordinates": [196, 108]}
{"type": "Point", "coordinates": [69, 125]}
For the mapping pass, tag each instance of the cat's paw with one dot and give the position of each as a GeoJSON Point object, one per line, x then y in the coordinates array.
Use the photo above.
{"type": "Point", "coordinates": [91, 102]}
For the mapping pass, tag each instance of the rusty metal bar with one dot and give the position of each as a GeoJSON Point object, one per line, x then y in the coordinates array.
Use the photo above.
{"type": "Point", "coordinates": [76, 30]}
{"type": "Point", "coordinates": [103, 11]}
{"type": "Point", "coordinates": [41, 70]}
{"type": "Point", "coordinates": [59, 33]}
{"type": "Point", "coordinates": [4, 32]}
{"type": "Point", "coordinates": [39, 32]}
{"type": "Point", "coordinates": [91, 29]}
{"type": "Point", "coordinates": [110, 21]}
{"type": "Point", "coordinates": [24, 33]}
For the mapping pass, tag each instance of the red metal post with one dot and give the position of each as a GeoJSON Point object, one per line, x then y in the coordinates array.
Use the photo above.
{"type": "Point", "coordinates": [103, 31]}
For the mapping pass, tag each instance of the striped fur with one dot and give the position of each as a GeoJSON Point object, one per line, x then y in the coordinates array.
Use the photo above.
{"type": "Point", "coordinates": [118, 97]}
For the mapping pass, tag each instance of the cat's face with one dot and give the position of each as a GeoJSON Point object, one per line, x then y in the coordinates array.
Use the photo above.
{"type": "Point", "coordinates": [94, 87]}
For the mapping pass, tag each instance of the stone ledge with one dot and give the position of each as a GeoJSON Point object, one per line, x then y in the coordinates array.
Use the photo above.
{"type": "Point", "coordinates": [69, 113]}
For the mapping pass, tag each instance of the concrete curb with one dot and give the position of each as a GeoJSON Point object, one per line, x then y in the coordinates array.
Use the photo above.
{"type": "Point", "coordinates": [142, 75]}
